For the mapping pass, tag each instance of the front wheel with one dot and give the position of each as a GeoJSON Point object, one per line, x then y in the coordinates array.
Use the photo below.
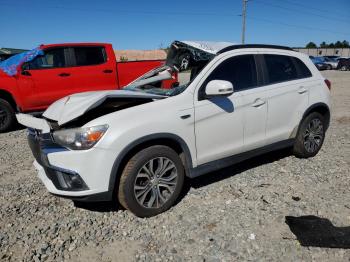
{"type": "Point", "coordinates": [151, 181]}
{"type": "Point", "coordinates": [7, 116]}
{"type": "Point", "coordinates": [310, 136]}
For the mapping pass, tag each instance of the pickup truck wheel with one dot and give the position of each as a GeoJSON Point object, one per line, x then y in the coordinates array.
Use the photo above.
{"type": "Point", "coordinates": [151, 181]}
{"type": "Point", "coordinates": [7, 116]}
{"type": "Point", "coordinates": [310, 136]}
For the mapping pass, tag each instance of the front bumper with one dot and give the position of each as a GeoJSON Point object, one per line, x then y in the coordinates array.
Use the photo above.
{"type": "Point", "coordinates": [78, 175]}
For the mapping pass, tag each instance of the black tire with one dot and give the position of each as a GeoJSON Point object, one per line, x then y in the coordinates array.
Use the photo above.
{"type": "Point", "coordinates": [343, 68]}
{"type": "Point", "coordinates": [7, 116]}
{"type": "Point", "coordinates": [307, 144]}
{"type": "Point", "coordinates": [329, 67]}
{"type": "Point", "coordinates": [131, 176]}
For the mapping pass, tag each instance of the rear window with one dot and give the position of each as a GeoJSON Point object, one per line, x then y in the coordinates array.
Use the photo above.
{"type": "Point", "coordinates": [304, 71]}
{"type": "Point", "coordinates": [85, 56]}
{"type": "Point", "coordinates": [280, 68]}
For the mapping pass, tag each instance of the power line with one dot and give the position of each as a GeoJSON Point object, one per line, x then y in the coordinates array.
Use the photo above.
{"type": "Point", "coordinates": [297, 26]}
{"type": "Point", "coordinates": [293, 10]}
{"type": "Point", "coordinates": [124, 12]}
{"type": "Point", "coordinates": [316, 9]}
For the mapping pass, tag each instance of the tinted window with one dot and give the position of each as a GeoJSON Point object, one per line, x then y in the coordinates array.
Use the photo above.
{"type": "Point", "coordinates": [239, 70]}
{"type": "Point", "coordinates": [280, 68]}
{"type": "Point", "coordinates": [304, 72]}
{"type": "Point", "coordinates": [52, 58]}
{"type": "Point", "coordinates": [85, 56]}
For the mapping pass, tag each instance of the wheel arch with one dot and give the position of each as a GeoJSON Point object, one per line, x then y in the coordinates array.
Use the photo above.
{"type": "Point", "coordinates": [321, 108]}
{"type": "Point", "coordinates": [167, 139]}
{"type": "Point", "coordinates": [6, 95]}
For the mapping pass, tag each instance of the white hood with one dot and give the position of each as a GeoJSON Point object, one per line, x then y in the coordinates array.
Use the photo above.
{"type": "Point", "coordinates": [74, 106]}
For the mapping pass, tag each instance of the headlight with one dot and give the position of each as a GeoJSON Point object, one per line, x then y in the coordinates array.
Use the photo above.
{"type": "Point", "coordinates": [80, 138]}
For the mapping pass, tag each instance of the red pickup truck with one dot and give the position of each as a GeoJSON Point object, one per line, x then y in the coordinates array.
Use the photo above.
{"type": "Point", "coordinates": [62, 70]}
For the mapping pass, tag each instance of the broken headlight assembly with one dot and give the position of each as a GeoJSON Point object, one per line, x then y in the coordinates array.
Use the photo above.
{"type": "Point", "coordinates": [80, 138]}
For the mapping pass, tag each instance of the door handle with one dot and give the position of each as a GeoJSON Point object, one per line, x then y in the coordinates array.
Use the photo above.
{"type": "Point", "coordinates": [64, 74]}
{"type": "Point", "coordinates": [258, 102]}
{"type": "Point", "coordinates": [302, 90]}
{"type": "Point", "coordinates": [108, 71]}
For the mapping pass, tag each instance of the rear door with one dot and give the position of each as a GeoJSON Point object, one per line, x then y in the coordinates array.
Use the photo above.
{"type": "Point", "coordinates": [92, 69]}
{"type": "Point", "coordinates": [288, 81]}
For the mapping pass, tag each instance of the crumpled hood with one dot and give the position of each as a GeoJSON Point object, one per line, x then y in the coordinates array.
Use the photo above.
{"type": "Point", "coordinates": [71, 107]}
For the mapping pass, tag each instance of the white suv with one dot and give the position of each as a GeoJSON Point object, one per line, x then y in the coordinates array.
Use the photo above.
{"type": "Point", "coordinates": [138, 144]}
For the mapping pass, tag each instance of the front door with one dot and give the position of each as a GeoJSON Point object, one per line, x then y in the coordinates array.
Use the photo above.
{"type": "Point", "coordinates": [221, 122]}
{"type": "Point", "coordinates": [50, 77]}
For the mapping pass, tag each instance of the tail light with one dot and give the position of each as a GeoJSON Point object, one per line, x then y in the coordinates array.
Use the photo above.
{"type": "Point", "coordinates": [328, 83]}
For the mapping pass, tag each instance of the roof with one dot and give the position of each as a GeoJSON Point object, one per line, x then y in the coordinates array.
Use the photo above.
{"type": "Point", "coordinates": [221, 47]}
{"type": "Point", "coordinates": [233, 47]}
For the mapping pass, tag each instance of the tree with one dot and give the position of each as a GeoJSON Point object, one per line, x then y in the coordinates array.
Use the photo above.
{"type": "Point", "coordinates": [323, 45]}
{"type": "Point", "coordinates": [346, 44]}
{"type": "Point", "coordinates": [331, 45]}
{"type": "Point", "coordinates": [338, 44]}
{"type": "Point", "coordinates": [311, 45]}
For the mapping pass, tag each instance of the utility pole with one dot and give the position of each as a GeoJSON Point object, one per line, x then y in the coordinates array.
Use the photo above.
{"type": "Point", "coordinates": [244, 15]}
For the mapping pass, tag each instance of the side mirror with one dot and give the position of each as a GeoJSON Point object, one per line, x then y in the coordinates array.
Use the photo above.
{"type": "Point", "coordinates": [219, 88]}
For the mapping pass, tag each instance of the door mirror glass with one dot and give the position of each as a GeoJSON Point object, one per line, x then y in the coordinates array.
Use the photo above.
{"type": "Point", "coordinates": [219, 88]}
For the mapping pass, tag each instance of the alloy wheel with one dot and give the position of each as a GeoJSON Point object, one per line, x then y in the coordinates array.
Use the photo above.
{"type": "Point", "coordinates": [313, 135]}
{"type": "Point", "coordinates": [155, 182]}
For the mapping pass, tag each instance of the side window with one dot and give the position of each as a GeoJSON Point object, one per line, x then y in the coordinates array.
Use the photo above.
{"type": "Point", "coordinates": [239, 70]}
{"type": "Point", "coordinates": [85, 56]}
{"type": "Point", "coordinates": [280, 68]}
{"type": "Point", "coordinates": [304, 71]}
{"type": "Point", "coordinates": [52, 58]}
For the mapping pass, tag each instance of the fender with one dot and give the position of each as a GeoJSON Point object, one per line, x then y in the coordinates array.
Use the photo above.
{"type": "Point", "coordinates": [117, 163]}
{"type": "Point", "coordinates": [319, 105]}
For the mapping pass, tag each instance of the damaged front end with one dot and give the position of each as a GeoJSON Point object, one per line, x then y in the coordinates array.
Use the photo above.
{"type": "Point", "coordinates": [60, 142]}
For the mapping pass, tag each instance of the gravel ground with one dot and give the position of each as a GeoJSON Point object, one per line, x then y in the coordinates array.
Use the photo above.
{"type": "Point", "coordinates": [234, 214]}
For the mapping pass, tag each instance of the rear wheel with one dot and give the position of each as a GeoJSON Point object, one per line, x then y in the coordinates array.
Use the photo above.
{"type": "Point", "coordinates": [343, 68]}
{"type": "Point", "coordinates": [151, 181]}
{"type": "Point", "coordinates": [329, 67]}
{"type": "Point", "coordinates": [310, 136]}
{"type": "Point", "coordinates": [7, 116]}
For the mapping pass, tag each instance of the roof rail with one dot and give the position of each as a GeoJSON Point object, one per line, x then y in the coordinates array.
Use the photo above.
{"type": "Point", "coordinates": [233, 47]}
